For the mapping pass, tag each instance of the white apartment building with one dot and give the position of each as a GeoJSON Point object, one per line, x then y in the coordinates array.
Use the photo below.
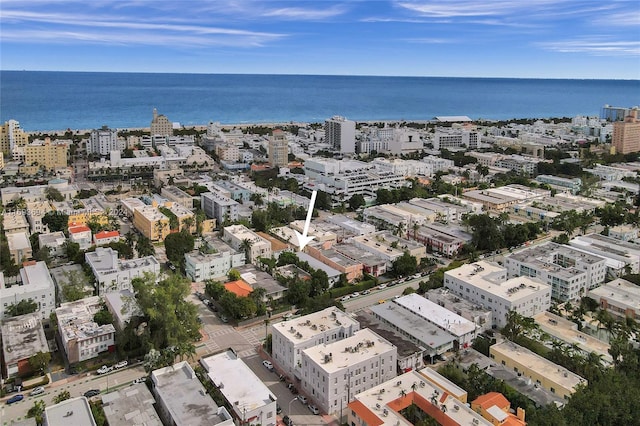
{"type": "Point", "coordinates": [81, 235]}
{"type": "Point", "coordinates": [35, 212]}
{"type": "Point", "coordinates": [35, 284]}
{"type": "Point", "coordinates": [292, 337]}
{"type": "Point", "coordinates": [82, 338]}
{"type": "Point", "coordinates": [113, 274]}
{"type": "Point", "coordinates": [481, 316]}
{"type": "Point", "coordinates": [455, 139]}
{"type": "Point", "coordinates": [569, 272]}
{"type": "Point", "coordinates": [621, 256]}
{"type": "Point", "coordinates": [438, 164]}
{"type": "Point", "coordinates": [332, 374]}
{"type": "Point", "coordinates": [219, 207]}
{"type": "Point", "coordinates": [201, 266]}
{"type": "Point", "coordinates": [620, 297]}
{"type": "Point", "coordinates": [175, 194]}
{"type": "Point", "coordinates": [462, 329]}
{"type": "Point", "coordinates": [14, 222]}
{"type": "Point", "coordinates": [104, 140]}
{"type": "Point", "coordinates": [34, 193]}
{"type": "Point", "coordinates": [54, 241]}
{"type": "Point", "coordinates": [250, 399]}
{"type": "Point", "coordinates": [408, 168]}
{"type": "Point", "coordinates": [340, 133]}
{"type": "Point", "coordinates": [236, 235]}
{"type": "Point", "coordinates": [486, 284]}
{"type": "Point", "coordinates": [22, 337]}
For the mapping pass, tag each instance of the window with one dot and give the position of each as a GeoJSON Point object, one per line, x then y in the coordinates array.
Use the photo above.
{"type": "Point", "coordinates": [270, 414]}
{"type": "Point", "coordinates": [552, 390]}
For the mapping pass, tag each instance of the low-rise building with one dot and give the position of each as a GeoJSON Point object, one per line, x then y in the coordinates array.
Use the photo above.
{"type": "Point", "coordinates": [22, 337]}
{"type": "Point", "coordinates": [481, 316]}
{"type": "Point", "coordinates": [130, 405]}
{"type": "Point", "coordinates": [113, 274]}
{"type": "Point", "coordinates": [104, 238]}
{"type": "Point", "coordinates": [493, 406]}
{"type": "Point", "coordinates": [177, 195]}
{"type": "Point", "coordinates": [35, 212]}
{"type": "Point", "coordinates": [462, 329]}
{"type": "Point", "coordinates": [151, 222]}
{"type": "Point", "coordinates": [35, 285]}
{"type": "Point", "coordinates": [351, 268]}
{"type": "Point", "coordinates": [82, 338]}
{"type": "Point", "coordinates": [14, 222]}
{"type": "Point", "coordinates": [243, 239]}
{"type": "Point", "coordinates": [219, 207]}
{"type": "Point", "coordinates": [385, 403]}
{"type": "Point", "coordinates": [182, 400]}
{"type": "Point", "coordinates": [290, 338]}
{"type": "Point", "coordinates": [569, 272]}
{"type": "Point", "coordinates": [251, 400]}
{"type": "Point", "coordinates": [332, 273]}
{"type": "Point", "coordinates": [443, 239]}
{"type": "Point", "coordinates": [19, 247]}
{"type": "Point", "coordinates": [123, 306]}
{"type": "Point", "coordinates": [333, 372]}
{"type": "Point", "coordinates": [256, 278]}
{"type": "Point", "coordinates": [215, 265]}
{"type": "Point", "coordinates": [129, 205]}
{"type": "Point", "coordinates": [72, 412]}
{"type": "Point", "coordinates": [81, 235]}
{"type": "Point", "coordinates": [81, 212]}
{"type": "Point", "coordinates": [539, 370]}
{"type": "Point", "coordinates": [624, 232]}
{"type": "Point", "coordinates": [572, 185]}
{"type": "Point", "coordinates": [619, 297]}
{"type": "Point", "coordinates": [54, 241]}
{"type": "Point", "coordinates": [486, 284]}
{"type": "Point", "coordinates": [37, 192]}
{"type": "Point", "coordinates": [622, 257]}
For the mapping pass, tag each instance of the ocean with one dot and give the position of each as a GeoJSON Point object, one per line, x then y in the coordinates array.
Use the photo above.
{"type": "Point", "coordinates": [44, 101]}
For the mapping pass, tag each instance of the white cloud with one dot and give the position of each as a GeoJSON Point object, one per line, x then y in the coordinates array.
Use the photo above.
{"type": "Point", "coordinates": [595, 47]}
{"type": "Point", "coordinates": [304, 14]}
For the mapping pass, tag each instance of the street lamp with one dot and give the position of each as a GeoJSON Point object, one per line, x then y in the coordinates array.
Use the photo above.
{"type": "Point", "coordinates": [289, 410]}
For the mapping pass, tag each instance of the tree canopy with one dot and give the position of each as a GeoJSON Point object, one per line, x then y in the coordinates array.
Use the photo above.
{"type": "Point", "coordinates": [56, 221]}
{"type": "Point", "coordinates": [177, 245]}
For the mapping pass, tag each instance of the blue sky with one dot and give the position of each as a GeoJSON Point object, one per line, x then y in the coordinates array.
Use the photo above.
{"type": "Point", "coordinates": [491, 38]}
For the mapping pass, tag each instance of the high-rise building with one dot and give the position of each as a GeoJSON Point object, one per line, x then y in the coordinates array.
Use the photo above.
{"type": "Point", "coordinates": [611, 113]}
{"type": "Point", "coordinates": [278, 149]}
{"type": "Point", "coordinates": [103, 141]}
{"type": "Point", "coordinates": [340, 133]}
{"type": "Point", "coordinates": [626, 134]}
{"type": "Point", "coordinates": [11, 135]}
{"type": "Point", "coordinates": [45, 154]}
{"type": "Point", "coordinates": [160, 125]}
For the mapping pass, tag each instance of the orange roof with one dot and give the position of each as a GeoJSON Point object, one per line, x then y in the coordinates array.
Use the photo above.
{"type": "Point", "coordinates": [490, 399]}
{"type": "Point", "coordinates": [106, 234]}
{"type": "Point", "coordinates": [240, 288]}
{"type": "Point", "coordinates": [80, 228]}
{"type": "Point", "coordinates": [362, 411]}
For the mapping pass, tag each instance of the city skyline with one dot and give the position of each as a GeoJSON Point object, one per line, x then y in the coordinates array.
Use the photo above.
{"type": "Point", "coordinates": [539, 39]}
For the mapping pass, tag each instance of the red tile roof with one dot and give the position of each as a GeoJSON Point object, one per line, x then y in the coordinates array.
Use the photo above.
{"type": "Point", "coordinates": [80, 228]}
{"type": "Point", "coordinates": [362, 411]}
{"type": "Point", "coordinates": [106, 234]}
{"type": "Point", "coordinates": [490, 399]}
{"type": "Point", "coordinates": [240, 288]}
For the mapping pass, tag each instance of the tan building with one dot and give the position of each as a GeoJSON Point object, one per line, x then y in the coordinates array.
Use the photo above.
{"type": "Point", "coordinates": [82, 211]}
{"type": "Point", "coordinates": [160, 125]}
{"type": "Point", "coordinates": [46, 154]}
{"type": "Point", "coordinates": [185, 217]}
{"type": "Point", "coordinates": [14, 222]}
{"type": "Point", "coordinates": [11, 135]}
{"type": "Point", "coordinates": [626, 134]}
{"type": "Point", "coordinates": [227, 152]}
{"type": "Point", "coordinates": [19, 247]}
{"type": "Point", "coordinates": [177, 195]}
{"type": "Point", "coordinates": [539, 370]}
{"type": "Point", "coordinates": [151, 223]}
{"type": "Point", "coordinates": [278, 149]}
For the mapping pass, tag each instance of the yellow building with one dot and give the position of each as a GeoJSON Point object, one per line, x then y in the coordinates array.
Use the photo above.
{"type": "Point", "coordinates": [539, 370]}
{"type": "Point", "coordinates": [151, 223]}
{"type": "Point", "coordinates": [185, 217]}
{"type": "Point", "coordinates": [1, 161]}
{"type": "Point", "coordinates": [44, 155]}
{"type": "Point", "coordinates": [11, 135]}
{"type": "Point", "coordinates": [82, 212]}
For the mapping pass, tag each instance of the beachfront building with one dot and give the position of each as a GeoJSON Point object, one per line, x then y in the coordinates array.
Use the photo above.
{"type": "Point", "coordinates": [250, 399]}
{"type": "Point", "coordinates": [242, 239]}
{"type": "Point", "coordinates": [292, 337]}
{"type": "Point", "coordinates": [82, 338]}
{"type": "Point", "coordinates": [340, 134]}
{"type": "Point", "coordinates": [332, 373]}
{"type": "Point", "coordinates": [11, 136]}
{"type": "Point", "coordinates": [35, 285]}
{"type": "Point", "coordinates": [278, 149]}
{"type": "Point", "coordinates": [569, 272]}
{"type": "Point", "coordinates": [113, 274]}
{"type": "Point", "coordinates": [539, 370]}
{"type": "Point", "coordinates": [160, 125]}
{"type": "Point", "coordinates": [486, 284]}
{"type": "Point", "coordinates": [181, 400]}
{"type": "Point", "coordinates": [22, 337]}
{"type": "Point", "coordinates": [626, 134]}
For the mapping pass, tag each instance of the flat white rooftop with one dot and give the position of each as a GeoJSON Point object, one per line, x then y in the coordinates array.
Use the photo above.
{"type": "Point", "coordinates": [237, 382]}
{"type": "Point", "coordinates": [363, 345]}
{"type": "Point", "coordinates": [72, 412]}
{"type": "Point", "coordinates": [307, 327]}
{"type": "Point", "coordinates": [442, 317]}
{"type": "Point", "coordinates": [619, 292]}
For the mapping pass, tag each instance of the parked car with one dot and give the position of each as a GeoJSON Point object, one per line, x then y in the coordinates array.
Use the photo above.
{"type": "Point", "coordinates": [356, 294]}
{"type": "Point", "coordinates": [15, 398]}
{"type": "Point", "coordinates": [37, 391]}
{"type": "Point", "coordinates": [104, 369]}
{"type": "Point", "coordinates": [292, 388]}
{"type": "Point", "coordinates": [268, 364]}
{"type": "Point", "coordinates": [313, 409]}
{"type": "Point", "coordinates": [364, 293]}
{"type": "Point", "coordinates": [278, 409]}
{"type": "Point", "coordinates": [139, 380]}
{"type": "Point", "coordinates": [91, 393]}
{"type": "Point", "coordinates": [121, 364]}
{"type": "Point", "coordinates": [303, 399]}
{"type": "Point", "coordinates": [382, 286]}
{"type": "Point", "coordinates": [224, 319]}
{"type": "Point", "coordinates": [288, 316]}
{"type": "Point", "coordinates": [287, 421]}
{"type": "Point", "coordinates": [345, 298]}
{"type": "Point", "coordinates": [200, 296]}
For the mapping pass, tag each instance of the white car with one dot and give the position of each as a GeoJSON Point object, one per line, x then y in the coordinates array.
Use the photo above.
{"type": "Point", "coordinates": [268, 364]}
{"type": "Point", "coordinates": [302, 399]}
{"type": "Point", "coordinates": [314, 409]}
{"type": "Point", "coordinates": [121, 364]}
{"type": "Point", "coordinates": [37, 391]}
{"type": "Point", "coordinates": [345, 298]}
{"type": "Point", "coordinates": [139, 380]}
{"type": "Point", "coordinates": [104, 369]}
{"type": "Point", "coordinates": [382, 286]}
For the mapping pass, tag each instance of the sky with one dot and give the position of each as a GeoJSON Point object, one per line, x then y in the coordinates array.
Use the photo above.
{"type": "Point", "coordinates": [490, 38]}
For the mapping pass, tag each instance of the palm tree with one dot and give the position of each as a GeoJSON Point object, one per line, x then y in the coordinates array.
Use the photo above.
{"type": "Point", "coordinates": [246, 247]}
{"type": "Point", "coordinates": [402, 393]}
{"type": "Point", "coordinates": [160, 227]}
{"type": "Point", "coordinates": [188, 223]}
{"type": "Point", "coordinates": [415, 227]}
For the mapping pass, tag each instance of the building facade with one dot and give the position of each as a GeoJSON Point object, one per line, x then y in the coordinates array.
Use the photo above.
{"type": "Point", "coordinates": [160, 125]}
{"type": "Point", "coordinates": [626, 134]}
{"type": "Point", "coordinates": [104, 140]}
{"type": "Point", "coordinates": [340, 134]}
{"type": "Point", "coordinates": [35, 285]}
{"type": "Point", "coordinates": [113, 274]}
{"type": "Point", "coordinates": [278, 149]}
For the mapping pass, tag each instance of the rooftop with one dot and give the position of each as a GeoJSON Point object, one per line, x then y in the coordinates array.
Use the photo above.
{"type": "Point", "coordinates": [436, 314]}
{"type": "Point", "coordinates": [259, 279]}
{"type": "Point", "coordinates": [131, 405]}
{"type": "Point", "coordinates": [52, 239]}
{"type": "Point", "coordinates": [417, 327]}
{"type": "Point", "coordinates": [184, 396]}
{"type": "Point", "coordinates": [106, 234]}
{"type": "Point", "coordinates": [363, 345]}
{"type": "Point", "coordinates": [72, 412]}
{"type": "Point", "coordinates": [18, 241]}
{"type": "Point", "coordinates": [316, 264]}
{"type": "Point", "coordinates": [75, 319]}
{"type": "Point", "coordinates": [619, 292]}
{"type": "Point", "coordinates": [405, 347]}
{"type": "Point", "coordinates": [79, 229]}
{"type": "Point", "coordinates": [540, 365]}
{"type": "Point", "coordinates": [546, 257]}
{"type": "Point", "coordinates": [22, 337]}
{"type": "Point", "coordinates": [239, 288]}
{"type": "Point", "coordinates": [307, 327]}
{"type": "Point", "coordinates": [237, 382]}
{"type": "Point", "coordinates": [35, 277]}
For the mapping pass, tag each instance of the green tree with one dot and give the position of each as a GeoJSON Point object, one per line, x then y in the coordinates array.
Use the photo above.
{"type": "Point", "coordinates": [37, 411]}
{"type": "Point", "coordinates": [517, 325]}
{"type": "Point", "coordinates": [245, 246]}
{"type": "Point", "coordinates": [144, 247]}
{"type": "Point", "coordinates": [23, 307]}
{"type": "Point", "coordinates": [40, 361]}
{"type": "Point", "coordinates": [177, 245]}
{"type": "Point", "coordinates": [405, 265]}
{"type": "Point", "coordinates": [356, 201]}
{"type": "Point", "coordinates": [214, 289]}
{"type": "Point", "coordinates": [233, 275]}
{"type": "Point", "coordinates": [56, 221]}
{"type": "Point", "coordinates": [73, 286]}
{"type": "Point", "coordinates": [53, 194]}
{"type": "Point", "coordinates": [287, 258]}
{"type": "Point", "coordinates": [103, 317]}
{"type": "Point", "coordinates": [62, 396]}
